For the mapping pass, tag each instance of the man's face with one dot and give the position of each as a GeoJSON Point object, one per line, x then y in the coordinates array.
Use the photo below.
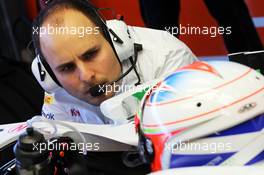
{"type": "Point", "coordinates": [79, 61]}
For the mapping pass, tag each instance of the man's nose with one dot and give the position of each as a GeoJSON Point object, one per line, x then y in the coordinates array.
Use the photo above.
{"type": "Point", "coordinates": [86, 74]}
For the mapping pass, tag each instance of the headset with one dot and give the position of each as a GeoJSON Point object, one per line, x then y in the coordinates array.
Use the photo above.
{"type": "Point", "coordinates": [116, 33]}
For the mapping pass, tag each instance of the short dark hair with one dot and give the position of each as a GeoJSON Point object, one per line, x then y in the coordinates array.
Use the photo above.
{"type": "Point", "coordinates": [83, 6]}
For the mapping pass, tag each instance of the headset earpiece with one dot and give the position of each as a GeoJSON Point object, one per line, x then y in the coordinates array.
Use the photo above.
{"type": "Point", "coordinates": [115, 37]}
{"type": "Point", "coordinates": [41, 72]}
{"type": "Point", "coordinates": [123, 43]}
{"type": "Point", "coordinates": [43, 76]}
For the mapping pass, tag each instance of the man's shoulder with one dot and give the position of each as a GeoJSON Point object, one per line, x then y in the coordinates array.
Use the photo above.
{"type": "Point", "coordinates": [152, 38]}
{"type": "Point", "coordinates": [162, 53]}
{"type": "Point", "coordinates": [62, 98]}
{"type": "Point", "coordinates": [62, 106]}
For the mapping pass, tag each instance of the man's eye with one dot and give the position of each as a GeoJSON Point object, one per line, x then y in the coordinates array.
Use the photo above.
{"type": "Point", "coordinates": [90, 55]}
{"type": "Point", "coordinates": [67, 68]}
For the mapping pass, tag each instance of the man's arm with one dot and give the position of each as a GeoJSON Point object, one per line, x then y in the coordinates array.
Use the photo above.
{"type": "Point", "coordinates": [162, 53]}
{"type": "Point", "coordinates": [176, 55]}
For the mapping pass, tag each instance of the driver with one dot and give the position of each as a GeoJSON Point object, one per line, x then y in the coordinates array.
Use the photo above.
{"type": "Point", "coordinates": [78, 51]}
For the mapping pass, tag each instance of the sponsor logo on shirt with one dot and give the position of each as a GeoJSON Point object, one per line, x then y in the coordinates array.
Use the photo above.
{"type": "Point", "coordinates": [48, 115]}
{"type": "Point", "coordinates": [48, 99]}
{"type": "Point", "coordinates": [75, 113]}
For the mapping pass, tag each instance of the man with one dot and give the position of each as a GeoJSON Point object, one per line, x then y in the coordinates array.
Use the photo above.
{"type": "Point", "coordinates": [80, 62]}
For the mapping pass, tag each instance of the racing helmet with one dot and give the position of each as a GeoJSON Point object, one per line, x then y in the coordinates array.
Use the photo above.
{"type": "Point", "coordinates": [206, 113]}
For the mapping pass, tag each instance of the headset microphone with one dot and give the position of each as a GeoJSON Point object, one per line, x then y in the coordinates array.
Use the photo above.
{"type": "Point", "coordinates": [100, 89]}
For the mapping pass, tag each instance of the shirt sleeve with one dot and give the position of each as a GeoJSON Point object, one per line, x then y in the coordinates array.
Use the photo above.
{"type": "Point", "coordinates": [162, 53]}
{"type": "Point", "coordinates": [177, 54]}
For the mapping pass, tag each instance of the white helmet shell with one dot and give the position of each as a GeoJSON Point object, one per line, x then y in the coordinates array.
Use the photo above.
{"type": "Point", "coordinates": [198, 100]}
{"type": "Point", "coordinates": [202, 91]}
